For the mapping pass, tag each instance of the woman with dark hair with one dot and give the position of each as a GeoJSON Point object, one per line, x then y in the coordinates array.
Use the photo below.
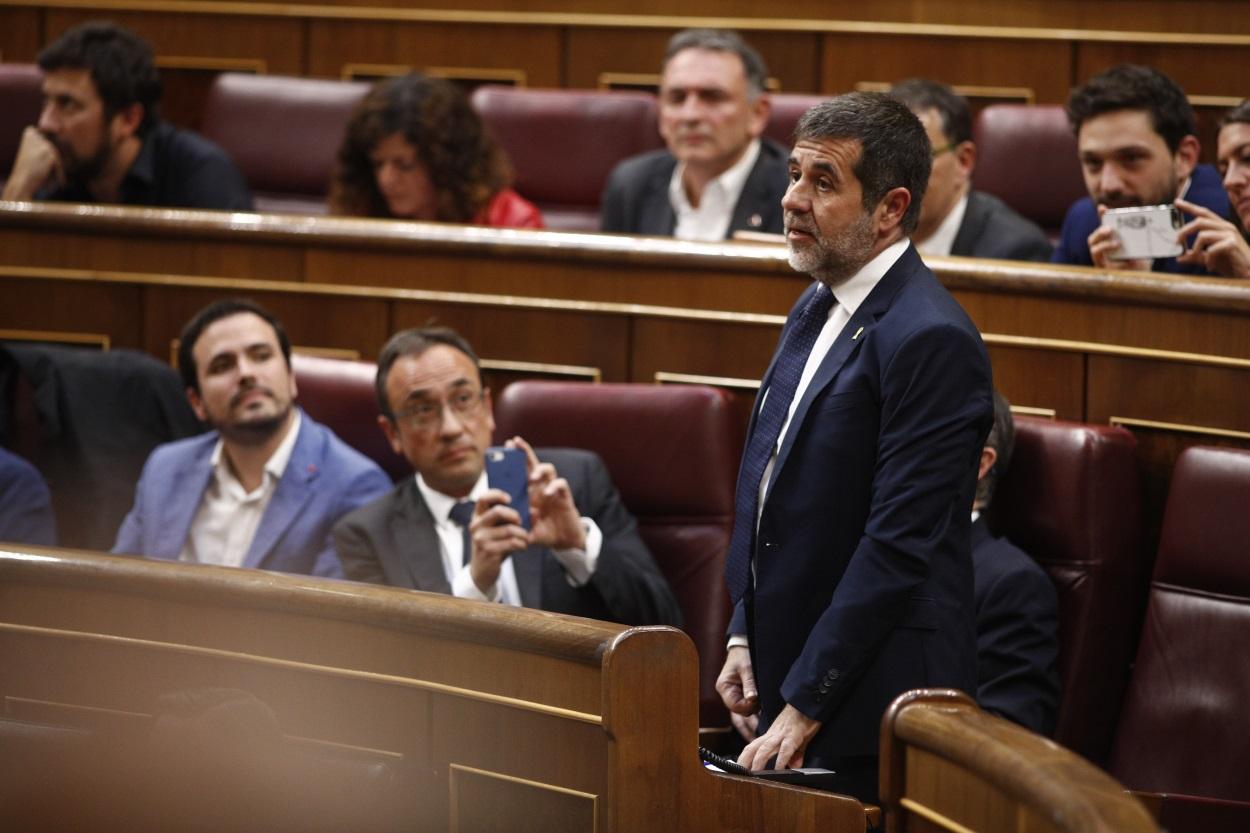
{"type": "Point", "coordinates": [1221, 247]}
{"type": "Point", "coordinates": [416, 150]}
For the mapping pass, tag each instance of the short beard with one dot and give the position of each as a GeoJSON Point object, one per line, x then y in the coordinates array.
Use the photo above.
{"type": "Point", "coordinates": [84, 171]}
{"type": "Point", "coordinates": [833, 261]}
{"type": "Point", "coordinates": [255, 432]}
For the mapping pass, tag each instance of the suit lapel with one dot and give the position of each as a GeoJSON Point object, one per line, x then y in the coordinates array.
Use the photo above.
{"type": "Point", "coordinates": [416, 541]}
{"type": "Point", "coordinates": [971, 227]}
{"type": "Point", "coordinates": [856, 332]}
{"type": "Point", "coordinates": [295, 489]}
{"type": "Point", "coordinates": [182, 500]}
{"type": "Point", "coordinates": [658, 217]}
{"type": "Point", "coordinates": [754, 194]}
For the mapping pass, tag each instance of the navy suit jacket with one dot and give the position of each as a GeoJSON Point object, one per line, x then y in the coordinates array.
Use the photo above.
{"type": "Point", "coordinates": [635, 200]}
{"type": "Point", "coordinates": [1017, 633]}
{"type": "Point", "coordinates": [393, 541]}
{"type": "Point", "coordinates": [863, 572]}
{"type": "Point", "coordinates": [1206, 188]}
{"type": "Point", "coordinates": [324, 480]}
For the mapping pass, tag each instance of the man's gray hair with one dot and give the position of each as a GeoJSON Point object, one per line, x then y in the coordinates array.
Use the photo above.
{"type": "Point", "coordinates": [723, 40]}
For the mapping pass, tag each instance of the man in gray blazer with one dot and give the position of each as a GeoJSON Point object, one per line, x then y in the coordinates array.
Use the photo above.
{"type": "Point", "coordinates": [445, 530]}
{"type": "Point", "coordinates": [954, 219]}
{"type": "Point", "coordinates": [717, 175]}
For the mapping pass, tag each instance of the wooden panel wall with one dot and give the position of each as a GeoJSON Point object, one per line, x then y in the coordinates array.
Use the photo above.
{"type": "Point", "coordinates": [1043, 48]}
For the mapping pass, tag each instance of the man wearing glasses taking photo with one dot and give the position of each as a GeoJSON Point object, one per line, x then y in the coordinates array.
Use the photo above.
{"type": "Point", "coordinates": [445, 530]}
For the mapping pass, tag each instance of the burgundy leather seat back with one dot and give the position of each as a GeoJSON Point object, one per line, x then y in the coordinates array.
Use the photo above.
{"type": "Point", "coordinates": [1185, 725]}
{"type": "Point", "coordinates": [564, 143]}
{"type": "Point", "coordinates": [283, 133]}
{"type": "Point", "coordinates": [1026, 156]}
{"type": "Point", "coordinates": [21, 97]}
{"type": "Point", "coordinates": [339, 394]}
{"type": "Point", "coordinates": [673, 452]}
{"type": "Point", "coordinates": [1071, 500]}
{"type": "Point", "coordinates": [786, 110]}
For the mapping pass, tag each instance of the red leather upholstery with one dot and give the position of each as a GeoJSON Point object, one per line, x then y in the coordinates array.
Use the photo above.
{"type": "Point", "coordinates": [283, 133]}
{"type": "Point", "coordinates": [21, 97]}
{"type": "Point", "coordinates": [339, 394]}
{"type": "Point", "coordinates": [1185, 721]}
{"type": "Point", "coordinates": [564, 143]}
{"type": "Point", "coordinates": [786, 111]}
{"type": "Point", "coordinates": [1026, 156]}
{"type": "Point", "coordinates": [1071, 500]}
{"type": "Point", "coordinates": [673, 452]}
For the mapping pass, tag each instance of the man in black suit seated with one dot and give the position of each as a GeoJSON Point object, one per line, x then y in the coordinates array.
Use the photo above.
{"type": "Point", "coordinates": [1017, 611]}
{"type": "Point", "coordinates": [954, 219]}
{"type": "Point", "coordinates": [582, 554]}
{"type": "Point", "coordinates": [718, 175]}
{"type": "Point", "coordinates": [100, 138]}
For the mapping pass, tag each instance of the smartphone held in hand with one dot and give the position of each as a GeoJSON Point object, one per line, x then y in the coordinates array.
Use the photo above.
{"type": "Point", "coordinates": [506, 470]}
{"type": "Point", "coordinates": [1147, 231]}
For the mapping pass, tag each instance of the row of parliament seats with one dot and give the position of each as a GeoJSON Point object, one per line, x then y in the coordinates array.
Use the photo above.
{"type": "Point", "coordinates": [1070, 499]}
{"type": "Point", "coordinates": [284, 133]}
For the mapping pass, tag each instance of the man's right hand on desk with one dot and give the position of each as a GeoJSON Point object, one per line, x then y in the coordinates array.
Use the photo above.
{"type": "Point", "coordinates": [38, 162]}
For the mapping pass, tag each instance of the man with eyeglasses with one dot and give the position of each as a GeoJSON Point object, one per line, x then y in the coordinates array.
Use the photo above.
{"type": "Point", "coordinates": [445, 530]}
{"type": "Point", "coordinates": [264, 488]}
{"type": "Point", "coordinates": [954, 219]}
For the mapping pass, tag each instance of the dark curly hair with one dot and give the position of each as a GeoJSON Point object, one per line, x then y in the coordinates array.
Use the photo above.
{"type": "Point", "coordinates": [1131, 87]}
{"type": "Point", "coordinates": [462, 160]}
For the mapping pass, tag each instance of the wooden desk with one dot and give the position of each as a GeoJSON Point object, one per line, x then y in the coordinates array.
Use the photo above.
{"type": "Point", "coordinates": [1169, 357]}
{"type": "Point", "coordinates": [476, 717]}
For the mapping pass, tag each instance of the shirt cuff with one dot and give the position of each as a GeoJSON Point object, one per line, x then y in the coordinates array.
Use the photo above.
{"type": "Point", "coordinates": [738, 640]}
{"type": "Point", "coordinates": [463, 587]}
{"type": "Point", "coordinates": [579, 565]}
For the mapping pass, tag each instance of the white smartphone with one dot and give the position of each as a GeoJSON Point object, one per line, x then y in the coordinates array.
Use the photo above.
{"type": "Point", "coordinates": [1146, 231]}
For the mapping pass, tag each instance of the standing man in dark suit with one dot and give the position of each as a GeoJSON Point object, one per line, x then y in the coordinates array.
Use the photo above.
{"type": "Point", "coordinates": [954, 219]}
{"type": "Point", "coordinates": [445, 530]}
{"type": "Point", "coordinates": [718, 175]}
{"type": "Point", "coordinates": [1017, 608]}
{"type": "Point", "coordinates": [849, 563]}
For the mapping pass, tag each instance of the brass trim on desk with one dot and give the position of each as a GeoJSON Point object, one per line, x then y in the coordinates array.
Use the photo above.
{"type": "Point", "coordinates": [453, 786]}
{"type": "Point", "coordinates": [933, 816]}
{"type": "Point", "coordinates": [312, 668]}
{"type": "Point", "coordinates": [1025, 95]}
{"type": "Point", "coordinates": [664, 377]}
{"type": "Point", "coordinates": [486, 75]}
{"type": "Point", "coordinates": [1028, 410]}
{"type": "Point", "coordinates": [1115, 350]}
{"type": "Point", "coordinates": [1178, 427]}
{"type": "Point", "coordinates": [590, 374]}
{"type": "Point", "coordinates": [100, 340]}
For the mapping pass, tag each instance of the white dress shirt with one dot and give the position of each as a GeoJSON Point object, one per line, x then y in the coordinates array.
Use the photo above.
{"type": "Point", "coordinates": [229, 516]}
{"type": "Point", "coordinates": [710, 221]}
{"type": "Point", "coordinates": [579, 565]}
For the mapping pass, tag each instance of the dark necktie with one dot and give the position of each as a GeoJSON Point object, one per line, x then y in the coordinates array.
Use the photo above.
{"type": "Point", "coordinates": [461, 514]}
{"type": "Point", "coordinates": [795, 349]}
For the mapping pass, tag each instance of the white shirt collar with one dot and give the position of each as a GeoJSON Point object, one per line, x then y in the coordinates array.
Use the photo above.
{"type": "Point", "coordinates": [852, 292]}
{"type": "Point", "coordinates": [943, 239]}
{"type": "Point", "coordinates": [440, 504]}
{"type": "Point", "coordinates": [275, 466]}
{"type": "Point", "coordinates": [710, 221]}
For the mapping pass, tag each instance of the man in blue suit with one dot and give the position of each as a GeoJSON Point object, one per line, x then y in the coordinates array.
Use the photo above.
{"type": "Point", "coordinates": [264, 488]}
{"type": "Point", "coordinates": [849, 563]}
{"type": "Point", "coordinates": [1135, 137]}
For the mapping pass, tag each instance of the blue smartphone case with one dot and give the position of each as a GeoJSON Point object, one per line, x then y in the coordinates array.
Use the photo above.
{"type": "Point", "coordinates": [506, 471]}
